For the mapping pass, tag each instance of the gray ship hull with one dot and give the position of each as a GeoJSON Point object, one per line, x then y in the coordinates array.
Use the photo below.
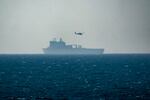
{"type": "Point", "coordinates": [74, 51]}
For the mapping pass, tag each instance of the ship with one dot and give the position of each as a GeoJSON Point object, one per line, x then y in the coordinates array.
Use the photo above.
{"type": "Point", "coordinates": [59, 47]}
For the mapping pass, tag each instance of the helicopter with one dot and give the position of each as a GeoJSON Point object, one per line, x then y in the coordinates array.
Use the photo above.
{"type": "Point", "coordinates": [78, 33]}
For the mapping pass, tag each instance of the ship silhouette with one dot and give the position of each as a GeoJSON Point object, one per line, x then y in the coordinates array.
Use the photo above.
{"type": "Point", "coordinates": [61, 48]}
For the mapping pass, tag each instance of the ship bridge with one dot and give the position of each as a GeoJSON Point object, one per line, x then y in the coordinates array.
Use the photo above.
{"type": "Point", "coordinates": [59, 44]}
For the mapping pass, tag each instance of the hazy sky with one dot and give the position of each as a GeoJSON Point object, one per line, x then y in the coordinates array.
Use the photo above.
{"type": "Point", "coordinates": [119, 26]}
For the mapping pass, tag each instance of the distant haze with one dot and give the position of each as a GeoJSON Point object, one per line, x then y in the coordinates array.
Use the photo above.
{"type": "Point", "coordinates": [119, 26]}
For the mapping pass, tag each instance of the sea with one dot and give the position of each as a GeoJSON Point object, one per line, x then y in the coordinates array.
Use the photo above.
{"type": "Point", "coordinates": [75, 77]}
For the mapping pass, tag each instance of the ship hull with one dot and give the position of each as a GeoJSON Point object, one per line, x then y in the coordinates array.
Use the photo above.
{"type": "Point", "coordinates": [74, 51]}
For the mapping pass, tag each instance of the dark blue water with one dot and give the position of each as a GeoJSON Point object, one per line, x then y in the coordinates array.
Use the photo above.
{"type": "Point", "coordinates": [105, 77]}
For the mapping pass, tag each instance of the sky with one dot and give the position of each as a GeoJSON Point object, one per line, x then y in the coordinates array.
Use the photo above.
{"type": "Point", "coordinates": [118, 26]}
